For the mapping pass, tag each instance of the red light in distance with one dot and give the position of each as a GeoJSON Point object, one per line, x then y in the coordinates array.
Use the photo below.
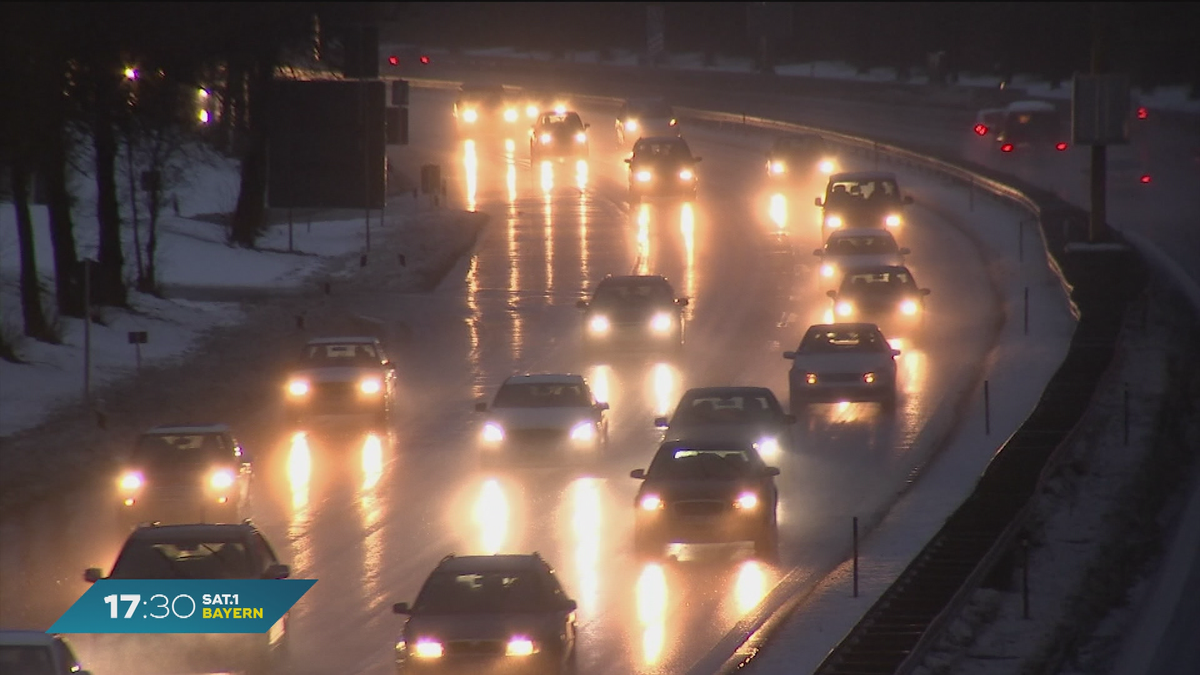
{"type": "Point", "coordinates": [1060, 147]}
{"type": "Point", "coordinates": [981, 130]}
{"type": "Point", "coordinates": [1145, 178]}
{"type": "Point", "coordinates": [1007, 147]}
{"type": "Point", "coordinates": [424, 59]}
{"type": "Point", "coordinates": [1142, 113]}
{"type": "Point", "coordinates": [394, 60]}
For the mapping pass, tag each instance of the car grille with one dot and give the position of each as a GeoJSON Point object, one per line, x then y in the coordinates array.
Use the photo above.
{"type": "Point", "coordinates": [537, 435]}
{"type": "Point", "coordinates": [839, 377]}
{"type": "Point", "coordinates": [707, 507]}
{"type": "Point", "coordinates": [475, 647]}
{"type": "Point", "coordinates": [334, 392]}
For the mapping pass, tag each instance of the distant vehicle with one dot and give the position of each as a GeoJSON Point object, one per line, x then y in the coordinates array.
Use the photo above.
{"type": "Point", "coordinates": [797, 157]}
{"type": "Point", "coordinates": [185, 473]}
{"type": "Point", "coordinates": [862, 199]}
{"type": "Point", "coordinates": [544, 414]}
{"type": "Point", "coordinates": [489, 613]}
{"type": "Point", "coordinates": [842, 362]}
{"type": "Point", "coordinates": [198, 551]}
{"type": "Point", "coordinates": [703, 491]}
{"type": "Point", "coordinates": [636, 311]}
{"type": "Point", "coordinates": [342, 377]}
{"type": "Point", "coordinates": [849, 248]}
{"type": "Point", "coordinates": [886, 295]}
{"type": "Point", "coordinates": [644, 118]}
{"type": "Point", "coordinates": [407, 56]}
{"type": "Point", "coordinates": [486, 105]}
{"type": "Point", "coordinates": [558, 134]}
{"type": "Point", "coordinates": [1023, 124]}
{"type": "Point", "coordinates": [31, 652]}
{"type": "Point", "coordinates": [662, 166]}
{"type": "Point", "coordinates": [740, 414]}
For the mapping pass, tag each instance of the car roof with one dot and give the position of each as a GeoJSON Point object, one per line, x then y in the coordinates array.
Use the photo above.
{"type": "Point", "coordinates": [864, 269]}
{"type": "Point", "coordinates": [350, 339]}
{"type": "Point", "coordinates": [859, 232]}
{"type": "Point", "coordinates": [862, 175]}
{"type": "Point", "coordinates": [166, 429]}
{"type": "Point", "coordinates": [661, 139]}
{"type": "Point", "coordinates": [545, 378]}
{"type": "Point", "coordinates": [31, 638]}
{"type": "Point", "coordinates": [1031, 106]}
{"type": "Point", "coordinates": [191, 531]}
{"type": "Point", "coordinates": [492, 563]}
{"type": "Point", "coordinates": [726, 391]}
{"type": "Point", "coordinates": [862, 326]}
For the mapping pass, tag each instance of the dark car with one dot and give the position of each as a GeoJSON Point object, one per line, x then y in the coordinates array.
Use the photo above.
{"type": "Point", "coordinates": [185, 473]}
{"type": "Point", "coordinates": [862, 199]}
{"type": "Point", "coordinates": [706, 491]}
{"type": "Point", "coordinates": [1028, 124]}
{"type": "Point", "coordinates": [885, 295]}
{"type": "Point", "coordinates": [481, 105]}
{"type": "Point", "coordinates": [662, 166]}
{"type": "Point", "coordinates": [558, 135]}
{"type": "Point", "coordinates": [489, 613]}
{"type": "Point", "coordinates": [197, 551]}
{"type": "Point", "coordinates": [31, 652]}
{"type": "Point", "coordinates": [639, 311]}
{"type": "Point", "coordinates": [797, 157]}
{"type": "Point", "coordinates": [739, 414]}
{"type": "Point", "coordinates": [644, 118]}
{"type": "Point", "coordinates": [342, 378]}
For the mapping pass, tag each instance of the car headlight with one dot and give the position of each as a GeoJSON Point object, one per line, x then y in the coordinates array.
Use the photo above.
{"type": "Point", "coordinates": [584, 431]}
{"type": "Point", "coordinates": [221, 479]}
{"type": "Point", "coordinates": [674, 121]}
{"type": "Point", "coordinates": [131, 481]}
{"type": "Point", "coordinates": [370, 386]}
{"type": "Point", "coordinates": [908, 307]}
{"type": "Point", "coordinates": [651, 503]}
{"type": "Point", "coordinates": [531, 111]}
{"type": "Point", "coordinates": [298, 388]}
{"type": "Point", "coordinates": [661, 322]}
{"type": "Point", "coordinates": [827, 270]}
{"type": "Point", "coordinates": [686, 174]}
{"type": "Point", "coordinates": [427, 649]}
{"type": "Point", "coordinates": [746, 501]}
{"type": "Point", "coordinates": [519, 646]}
{"type": "Point", "coordinates": [643, 176]}
{"type": "Point", "coordinates": [892, 220]}
{"type": "Point", "coordinates": [580, 137]}
{"type": "Point", "coordinates": [767, 447]}
{"type": "Point", "coordinates": [833, 221]}
{"type": "Point", "coordinates": [546, 138]}
{"type": "Point", "coordinates": [631, 125]}
{"type": "Point", "coordinates": [810, 378]}
{"type": "Point", "coordinates": [869, 378]}
{"type": "Point", "coordinates": [470, 116]}
{"type": "Point", "coordinates": [844, 309]}
{"type": "Point", "coordinates": [493, 433]}
{"type": "Point", "coordinates": [826, 166]}
{"type": "Point", "coordinates": [510, 115]}
{"type": "Point", "coordinates": [599, 324]}
{"type": "Point", "coordinates": [776, 167]}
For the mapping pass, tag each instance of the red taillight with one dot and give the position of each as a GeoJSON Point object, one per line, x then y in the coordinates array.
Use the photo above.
{"type": "Point", "coordinates": [1060, 147]}
{"type": "Point", "coordinates": [981, 130]}
{"type": "Point", "coordinates": [424, 59]}
{"type": "Point", "coordinates": [1007, 147]}
{"type": "Point", "coordinates": [1145, 178]}
{"type": "Point", "coordinates": [394, 60]}
{"type": "Point", "coordinates": [1142, 113]}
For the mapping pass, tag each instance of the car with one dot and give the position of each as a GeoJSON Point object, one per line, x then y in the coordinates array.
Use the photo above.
{"type": "Point", "coordinates": [798, 156]}
{"type": "Point", "coordinates": [644, 118]}
{"type": "Point", "coordinates": [544, 413]}
{"type": "Point", "coordinates": [489, 613]}
{"type": "Point", "coordinates": [634, 311]}
{"type": "Point", "coordinates": [31, 652]}
{"type": "Point", "coordinates": [706, 491]}
{"type": "Point", "coordinates": [842, 362]}
{"type": "Point", "coordinates": [862, 199]}
{"type": "Point", "coordinates": [662, 166]}
{"type": "Point", "coordinates": [342, 377]}
{"type": "Point", "coordinates": [855, 247]}
{"type": "Point", "coordinates": [1024, 125]}
{"type": "Point", "coordinates": [184, 472]}
{"type": "Point", "coordinates": [741, 414]}
{"type": "Point", "coordinates": [886, 294]}
{"type": "Point", "coordinates": [558, 134]}
{"type": "Point", "coordinates": [197, 551]}
{"type": "Point", "coordinates": [488, 105]}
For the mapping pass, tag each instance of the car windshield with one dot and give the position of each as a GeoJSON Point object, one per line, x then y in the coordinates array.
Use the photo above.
{"type": "Point", "coordinates": [839, 340]}
{"type": "Point", "coordinates": [891, 280]}
{"type": "Point", "coordinates": [192, 559]}
{"type": "Point", "coordinates": [568, 120]}
{"type": "Point", "coordinates": [728, 409]}
{"type": "Point", "coordinates": [175, 449]}
{"type": "Point", "coordinates": [345, 354]}
{"type": "Point", "coordinates": [1031, 124]}
{"type": "Point", "coordinates": [658, 150]}
{"type": "Point", "coordinates": [543, 395]}
{"type": "Point", "coordinates": [880, 244]}
{"type": "Point", "coordinates": [484, 593]}
{"type": "Point", "coordinates": [853, 192]}
{"type": "Point", "coordinates": [26, 660]}
{"type": "Point", "coordinates": [686, 463]}
{"type": "Point", "coordinates": [649, 109]}
{"type": "Point", "coordinates": [644, 293]}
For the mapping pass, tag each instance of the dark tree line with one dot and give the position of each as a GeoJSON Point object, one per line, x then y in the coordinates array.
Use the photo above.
{"type": "Point", "coordinates": [117, 82]}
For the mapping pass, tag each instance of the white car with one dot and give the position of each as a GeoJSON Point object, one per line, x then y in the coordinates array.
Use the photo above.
{"type": "Point", "coordinates": [859, 247]}
{"type": "Point", "coordinates": [31, 652]}
{"type": "Point", "coordinates": [842, 362]}
{"type": "Point", "coordinates": [543, 414]}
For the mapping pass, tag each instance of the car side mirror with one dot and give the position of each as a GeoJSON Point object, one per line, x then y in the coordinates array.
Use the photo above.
{"type": "Point", "coordinates": [789, 355]}
{"type": "Point", "coordinates": [832, 294]}
{"type": "Point", "coordinates": [581, 304]}
{"type": "Point", "coordinates": [570, 605]}
{"type": "Point", "coordinates": [638, 474]}
{"type": "Point", "coordinates": [924, 291]}
{"type": "Point", "coordinates": [602, 405]}
{"type": "Point", "coordinates": [905, 251]}
{"type": "Point", "coordinates": [93, 574]}
{"type": "Point", "coordinates": [818, 252]}
{"type": "Point", "coordinates": [629, 160]}
{"type": "Point", "coordinates": [660, 422]}
{"type": "Point", "coordinates": [789, 418]}
{"type": "Point", "coordinates": [481, 407]}
{"type": "Point", "coordinates": [682, 302]}
{"type": "Point", "coordinates": [401, 608]}
{"type": "Point", "coordinates": [908, 199]}
{"type": "Point", "coordinates": [818, 202]}
{"type": "Point", "coordinates": [895, 352]}
{"type": "Point", "coordinates": [277, 571]}
{"type": "Point", "coordinates": [772, 471]}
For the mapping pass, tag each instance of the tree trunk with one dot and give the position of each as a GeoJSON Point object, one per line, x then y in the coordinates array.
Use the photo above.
{"type": "Point", "coordinates": [36, 326]}
{"type": "Point", "coordinates": [68, 280]}
{"type": "Point", "coordinates": [111, 282]}
{"type": "Point", "coordinates": [131, 174]}
{"type": "Point", "coordinates": [249, 219]}
{"type": "Point", "coordinates": [152, 239]}
{"type": "Point", "coordinates": [232, 105]}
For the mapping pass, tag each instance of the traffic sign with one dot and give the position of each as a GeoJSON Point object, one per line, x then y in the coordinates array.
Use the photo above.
{"type": "Point", "coordinates": [1100, 109]}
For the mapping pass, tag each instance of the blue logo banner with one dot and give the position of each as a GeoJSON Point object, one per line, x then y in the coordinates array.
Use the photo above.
{"type": "Point", "coordinates": [182, 606]}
